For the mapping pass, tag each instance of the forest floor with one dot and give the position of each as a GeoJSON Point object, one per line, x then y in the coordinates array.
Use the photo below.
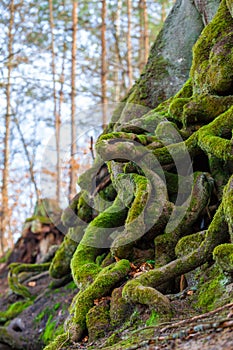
{"type": "Point", "coordinates": [187, 330]}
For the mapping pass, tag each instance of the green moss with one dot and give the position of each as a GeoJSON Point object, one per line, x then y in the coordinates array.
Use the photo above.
{"type": "Point", "coordinates": [210, 71]}
{"type": "Point", "coordinates": [134, 224]}
{"type": "Point", "coordinates": [176, 108]}
{"type": "Point", "coordinates": [205, 108]}
{"type": "Point", "coordinates": [51, 330]}
{"type": "Point", "coordinates": [210, 294]}
{"type": "Point", "coordinates": [105, 281]}
{"type": "Point", "coordinates": [223, 255]}
{"type": "Point", "coordinates": [105, 198]}
{"type": "Point", "coordinates": [228, 206]}
{"type": "Point", "coordinates": [120, 309]}
{"type": "Point", "coordinates": [14, 310]}
{"type": "Point", "coordinates": [97, 321]}
{"type": "Point", "coordinates": [13, 277]}
{"type": "Point", "coordinates": [95, 239]}
{"type": "Point", "coordinates": [137, 292]}
{"type": "Point", "coordinates": [41, 219]}
{"type": "Point", "coordinates": [189, 243]}
{"type": "Point", "coordinates": [153, 320]}
{"type": "Point", "coordinates": [186, 91]}
{"type": "Point", "coordinates": [60, 265]}
{"type": "Point", "coordinates": [211, 137]}
{"type": "Point", "coordinates": [60, 341]}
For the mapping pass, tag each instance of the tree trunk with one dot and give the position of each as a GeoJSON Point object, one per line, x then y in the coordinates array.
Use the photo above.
{"type": "Point", "coordinates": [72, 188]}
{"type": "Point", "coordinates": [103, 64]}
{"type": "Point", "coordinates": [117, 82]}
{"type": "Point", "coordinates": [6, 237]}
{"type": "Point", "coordinates": [144, 35]}
{"type": "Point", "coordinates": [129, 44]}
{"type": "Point", "coordinates": [57, 120]}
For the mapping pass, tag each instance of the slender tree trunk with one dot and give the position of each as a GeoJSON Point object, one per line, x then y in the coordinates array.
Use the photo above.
{"type": "Point", "coordinates": [118, 58]}
{"type": "Point", "coordinates": [163, 10]}
{"type": "Point", "coordinates": [129, 44]}
{"type": "Point", "coordinates": [56, 114]}
{"type": "Point", "coordinates": [144, 35]}
{"type": "Point", "coordinates": [5, 232]}
{"type": "Point", "coordinates": [146, 32]}
{"type": "Point", "coordinates": [103, 65]}
{"type": "Point", "coordinates": [72, 189]}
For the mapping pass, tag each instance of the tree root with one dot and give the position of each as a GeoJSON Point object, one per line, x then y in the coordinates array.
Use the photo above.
{"type": "Point", "coordinates": [156, 277]}
{"type": "Point", "coordinates": [13, 277]}
{"type": "Point", "coordinates": [96, 238]}
{"type": "Point", "coordinates": [105, 281]}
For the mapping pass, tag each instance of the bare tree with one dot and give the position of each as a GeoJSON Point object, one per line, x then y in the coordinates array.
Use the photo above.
{"type": "Point", "coordinates": [57, 119]}
{"type": "Point", "coordinates": [72, 189]}
{"type": "Point", "coordinates": [103, 64]}
{"type": "Point", "coordinates": [144, 34]}
{"type": "Point", "coordinates": [4, 230]}
{"type": "Point", "coordinates": [117, 20]}
{"type": "Point", "coordinates": [129, 44]}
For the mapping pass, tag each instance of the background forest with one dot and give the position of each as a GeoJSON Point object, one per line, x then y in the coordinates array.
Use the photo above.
{"type": "Point", "coordinates": [59, 62]}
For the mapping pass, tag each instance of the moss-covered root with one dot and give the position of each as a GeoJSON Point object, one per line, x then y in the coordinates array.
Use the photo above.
{"type": "Point", "coordinates": [134, 225]}
{"type": "Point", "coordinates": [95, 240]}
{"type": "Point", "coordinates": [137, 293]}
{"type": "Point", "coordinates": [13, 277]}
{"type": "Point", "coordinates": [60, 265]}
{"type": "Point", "coordinates": [216, 234]}
{"type": "Point", "coordinates": [10, 338]}
{"type": "Point", "coordinates": [106, 280]}
{"type": "Point", "coordinates": [214, 137]}
{"type": "Point", "coordinates": [198, 200]}
{"type": "Point", "coordinates": [223, 255]}
{"type": "Point", "coordinates": [150, 198]}
{"type": "Point", "coordinates": [228, 206]}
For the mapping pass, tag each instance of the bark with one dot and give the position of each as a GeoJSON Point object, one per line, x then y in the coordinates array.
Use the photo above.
{"type": "Point", "coordinates": [57, 120]}
{"type": "Point", "coordinates": [72, 187]}
{"type": "Point", "coordinates": [117, 82]}
{"type": "Point", "coordinates": [103, 64]}
{"type": "Point", "coordinates": [129, 44]}
{"type": "Point", "coordinates": [144, 35]}
{"type": "Point", "coordinates": [6, 239]}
